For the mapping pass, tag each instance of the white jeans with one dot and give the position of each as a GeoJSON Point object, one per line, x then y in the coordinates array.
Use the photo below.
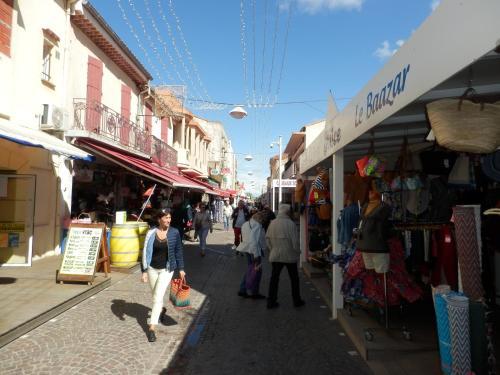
{"type": "Point", "coordinates": [159, 281]}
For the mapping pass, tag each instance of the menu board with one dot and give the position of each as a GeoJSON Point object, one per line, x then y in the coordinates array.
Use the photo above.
{"type": "Point", "coordinates": [82, 251]}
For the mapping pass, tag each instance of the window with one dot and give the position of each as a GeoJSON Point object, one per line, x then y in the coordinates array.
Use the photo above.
{"type": "Point", "coordinates": [50, 41]}
{"type": "Point", "coordinates": [47, 56]}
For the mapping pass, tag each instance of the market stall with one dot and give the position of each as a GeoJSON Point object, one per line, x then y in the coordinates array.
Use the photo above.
{"type": "Point", "coordinates": [438, 195]}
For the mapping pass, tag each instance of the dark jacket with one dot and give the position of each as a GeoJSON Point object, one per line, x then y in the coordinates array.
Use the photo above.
{"type": "Point", "coordinates": [374, 230]}
{"type": "Point", "coordinates": [234, 216]}
{"type": "Point", "coordinates": [175, 259]}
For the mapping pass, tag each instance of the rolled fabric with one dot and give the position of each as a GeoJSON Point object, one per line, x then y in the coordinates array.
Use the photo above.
{"type": "Point", "coordinates": [468, 251]}
{"type": "Point", "coordinates": [443, 330]}
{"type": "Point", "coordinates": [478, 338]}
{"type": "Point", "coordinates": [458, 318]}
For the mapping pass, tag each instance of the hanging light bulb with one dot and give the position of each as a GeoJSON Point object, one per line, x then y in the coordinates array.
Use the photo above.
{"type": "Point", "coordinates": [238, 112]}
{"type": "Point", "coordinates": [248, 157]}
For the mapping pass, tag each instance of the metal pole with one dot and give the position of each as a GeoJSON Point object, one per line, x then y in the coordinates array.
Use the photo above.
{"type": "Point", "coordinates": [279, 172]}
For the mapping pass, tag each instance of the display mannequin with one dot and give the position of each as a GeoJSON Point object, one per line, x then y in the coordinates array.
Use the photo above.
{"type": "Point", "coordinates": [373, 232]}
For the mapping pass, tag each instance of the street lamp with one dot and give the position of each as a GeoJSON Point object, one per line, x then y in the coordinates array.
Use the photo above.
{"type": "Point", "coordinates": [238, 112]}
{"type": "Point", "coordinates": [279, 169]}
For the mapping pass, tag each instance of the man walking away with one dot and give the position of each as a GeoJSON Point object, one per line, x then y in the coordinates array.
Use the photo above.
{"type": "Point", "coordinates": [283, 243]}
{"type": "Point", "coordinates": [240, 216]}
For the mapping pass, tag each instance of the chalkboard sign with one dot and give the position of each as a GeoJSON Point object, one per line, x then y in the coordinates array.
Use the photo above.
{"type": "Point", "coordinates": [85, 248]}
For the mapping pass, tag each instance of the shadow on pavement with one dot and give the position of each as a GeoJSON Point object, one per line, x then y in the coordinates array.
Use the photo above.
{"type": "Point", "coordinates": [135, 310]}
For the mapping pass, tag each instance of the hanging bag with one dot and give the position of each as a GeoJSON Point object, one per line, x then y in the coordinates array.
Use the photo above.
{"type": "Point", "coordinates": [467, 124]}
{"type": "Point", "coordinates": [461, 175]}
{"type": "Point", "coordinates": [180, 293]}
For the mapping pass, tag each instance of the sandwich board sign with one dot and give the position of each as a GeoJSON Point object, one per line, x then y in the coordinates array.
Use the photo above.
{"type": "Point", "coordinates": [85, 249]}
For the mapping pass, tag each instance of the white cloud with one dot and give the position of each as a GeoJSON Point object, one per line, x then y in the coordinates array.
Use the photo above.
{"type": "Point", "coordinates": [314, 6]}
{"type": "Point", "coordinates": [385, 50]}
{"type": "Point", "coordinates": [434, 4]}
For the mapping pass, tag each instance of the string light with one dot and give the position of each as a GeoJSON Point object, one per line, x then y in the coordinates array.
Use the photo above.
{"type": "Point", "coordinates": [186, 49]}
{"type": "Point", "coordinates": [244, 50]}
{"type": "Point", "coordinates": [139, 43]}
{"type": "Point", "coordinates": [177, 52]}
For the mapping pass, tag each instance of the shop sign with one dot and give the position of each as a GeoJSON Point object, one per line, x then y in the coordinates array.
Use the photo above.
{"type": "Point", "coordinates": [214, 172]}
{"type": "Point", "coordinates": [12, 227]}
{"type": "Point", "coordinates": [289, 183]}
{"type": "Point", "coordinates": [384, 96]}
{"type": "Point", "coordinates": [225, 171]}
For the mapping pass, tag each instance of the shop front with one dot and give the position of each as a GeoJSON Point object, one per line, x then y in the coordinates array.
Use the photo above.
{"type": "Point", "coordinates": [430, 263]}
{"type": "Point", "coordinates": [33, 179]}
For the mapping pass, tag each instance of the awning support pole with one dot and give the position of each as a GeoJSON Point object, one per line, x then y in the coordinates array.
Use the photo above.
{"type": "Point", "coordinates": [337, 194]}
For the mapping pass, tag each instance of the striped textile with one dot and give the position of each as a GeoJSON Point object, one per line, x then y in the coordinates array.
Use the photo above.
{"type": "Point", "coordinates": [468, 251]}
{"type": "Point", "coordinates": [458, 318]}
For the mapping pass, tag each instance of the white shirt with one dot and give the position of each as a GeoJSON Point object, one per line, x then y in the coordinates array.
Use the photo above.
{"type": "Point", "coordinates": [228, 210]}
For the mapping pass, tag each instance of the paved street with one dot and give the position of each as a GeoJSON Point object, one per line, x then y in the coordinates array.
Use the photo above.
{"type": "Point", "coordinates": [231, 335]}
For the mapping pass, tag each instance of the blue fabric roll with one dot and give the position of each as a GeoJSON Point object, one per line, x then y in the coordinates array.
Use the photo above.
{"type": "Point", "coordinates": [443, 332]}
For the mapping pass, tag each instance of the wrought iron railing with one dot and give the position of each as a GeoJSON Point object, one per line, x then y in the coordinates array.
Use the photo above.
{"type": "Point", "coordinates": [97, 118]}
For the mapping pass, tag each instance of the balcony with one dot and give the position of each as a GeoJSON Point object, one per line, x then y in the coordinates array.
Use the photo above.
{"type": "Point", "coordinates": [95, 120]}
{"type": "Point", "coordinates": [182, 156]}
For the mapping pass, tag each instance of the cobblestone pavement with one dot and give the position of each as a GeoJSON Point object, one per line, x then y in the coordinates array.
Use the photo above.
{"type": "Point", "coordinates": [231, 335]}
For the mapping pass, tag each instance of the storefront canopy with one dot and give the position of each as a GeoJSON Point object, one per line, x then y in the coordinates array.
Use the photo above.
{"type": "Point", "coordinates": [441, 60]}
{"type": "Point", "coordinates": [37, 138]}
{"type": "Point", "coordinates": [141, 166]}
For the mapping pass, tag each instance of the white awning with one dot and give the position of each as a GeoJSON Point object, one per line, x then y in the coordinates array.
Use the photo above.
{"type": "Point", "coordinates": [439, 60]}
{"type": "Point", "coordinates": [37, 138]}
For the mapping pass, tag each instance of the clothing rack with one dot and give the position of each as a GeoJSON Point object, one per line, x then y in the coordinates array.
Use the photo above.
{"type": "Point", "coordinates": [420, 226]}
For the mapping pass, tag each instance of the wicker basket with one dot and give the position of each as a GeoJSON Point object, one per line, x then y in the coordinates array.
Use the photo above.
{"type": "Point", "coordinates": [464, 126]}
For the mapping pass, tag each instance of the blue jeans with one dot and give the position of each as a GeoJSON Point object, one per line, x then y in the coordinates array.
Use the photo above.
{"type": "Point", "coordinates": [226, 222]}
{"type": "Point", "coordinates": [243, 286]}
{"type": "Point", "coordinates": [202, 234]}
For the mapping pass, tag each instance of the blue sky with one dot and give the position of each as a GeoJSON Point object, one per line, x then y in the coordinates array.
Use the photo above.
{"type": "Point", "coordinates": [335, 45]}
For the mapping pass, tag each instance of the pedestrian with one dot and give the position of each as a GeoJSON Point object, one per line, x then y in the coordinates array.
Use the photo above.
{"type": "Point", "coordinates": [161, 256]}
{"type": "Point", "coordinates": [203, 221]}
{"type": "Point", "coordinates": [253, 245]}
{"type": "Point", "coordinates": [196, 210]}
{"type": "Point", "coordinates": [227, 211]}
{"type": "Point", "coordinates": [240, 216]}
{"type": "Point", "coordinates": [283, 243]}
{"type": "Point", "coordinates": [267, 217]}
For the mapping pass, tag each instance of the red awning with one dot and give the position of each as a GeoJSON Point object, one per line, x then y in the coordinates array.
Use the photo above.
{"type": "Point", "coordinates": [141, 166]}
{"type": "Point", "coordinates": [209, 189]}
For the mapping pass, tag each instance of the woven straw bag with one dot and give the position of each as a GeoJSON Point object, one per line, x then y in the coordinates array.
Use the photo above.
{"type": "Point", "coordinates": [464, 125]}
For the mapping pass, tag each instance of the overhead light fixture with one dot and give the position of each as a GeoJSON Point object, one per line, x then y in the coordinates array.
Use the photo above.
{"type": "Point", "coordinates": [238, 112]}
{"type": "Point", "coordinates": [248, 157]}
{"type": "Point", "coordinates": [250, 173]}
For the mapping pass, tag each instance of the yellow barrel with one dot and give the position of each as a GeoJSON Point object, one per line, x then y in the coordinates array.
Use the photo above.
{"type": "Point", "coordinates": [127, 241]}
{"type": "Point", "coordinates": [142, 230]}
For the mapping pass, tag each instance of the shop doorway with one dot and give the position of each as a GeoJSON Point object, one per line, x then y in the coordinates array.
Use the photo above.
{"type": "Point", "coordinates": [17, 212]}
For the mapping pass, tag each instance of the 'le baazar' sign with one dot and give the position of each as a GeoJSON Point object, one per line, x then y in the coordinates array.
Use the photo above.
{"type": "Point", "coordinates": [385, 96]}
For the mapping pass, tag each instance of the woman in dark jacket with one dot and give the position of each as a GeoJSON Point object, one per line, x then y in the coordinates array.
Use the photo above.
{"type": "Point", "coordinates": [161, 256]}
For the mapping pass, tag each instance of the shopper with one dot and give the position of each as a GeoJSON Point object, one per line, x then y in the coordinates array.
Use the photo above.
{"type": "Point", "coordinates": [240, 216]}
{"type": "Point", "coordinates": [203, 223]}
{"type": "Point", "coordinates": [161, 256]}
{"type": "Point", "coordinates": [267, 217]}
{"type": "Point", "coordinates": [283, 244]}
{"type": "Point", "coordinates": [227, 211]}
{"type": "Point", "coordinates": [253, 244]}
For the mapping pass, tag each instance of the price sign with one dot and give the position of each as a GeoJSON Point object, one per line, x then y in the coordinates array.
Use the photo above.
{"type": "Point", "coordinates": [85, 247]}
